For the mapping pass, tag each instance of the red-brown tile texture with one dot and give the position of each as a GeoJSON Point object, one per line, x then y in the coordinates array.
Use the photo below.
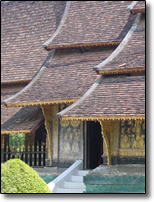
{"type": "Point", "coordinates": [7, 113]}
{"type": "Point", "coordinates": [114, 96]}
{"type": "Point", "coordinates": [68, 76]}
{"type": "Point", "coordinates": [6, 92]}
{"type": "Point", "coordinates": [94, 22]}
{"type": "Point", "coordinates": [25, 26]}
{"type": "Point", "coordinates": [133, 55]}
{"type": "Point", "coordinates": [25, 119]}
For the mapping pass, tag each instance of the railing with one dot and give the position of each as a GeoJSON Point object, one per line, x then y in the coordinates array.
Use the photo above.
{"type": "Point", "coordinates": [33, 155]}
{"type": "Point", "coordinates": [65, 176]}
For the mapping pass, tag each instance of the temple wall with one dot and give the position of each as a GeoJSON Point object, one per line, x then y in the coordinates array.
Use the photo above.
{"type": "Point", "coordinates": [70, 142]}
{"type": "Point", "coordinates": [126, 140]}
{"type": "Point", "coordinates": [64, 139]}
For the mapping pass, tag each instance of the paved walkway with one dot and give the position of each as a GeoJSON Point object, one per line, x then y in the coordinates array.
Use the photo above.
{"type": "Point", "coordinates": [118, 170]}
{"type": "Point", "coordinates": [49, 171]}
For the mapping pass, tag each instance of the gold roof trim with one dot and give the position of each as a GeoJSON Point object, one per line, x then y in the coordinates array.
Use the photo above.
{"type": "Point", "coordinates": [112, 43]}
{"type": "Point", "coordinates": [46, 102]}
{"type": "Point", "coordinates": [15, 82]}
{"type": "Point", "coordinates": [115, 71]}
{"type": "Point", "coordinates": [4, 132]}
{"type": "Point", "coordinates": [103, 118]}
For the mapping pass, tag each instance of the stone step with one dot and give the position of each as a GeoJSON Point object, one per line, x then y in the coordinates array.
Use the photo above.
{"type": "Point", "coordinates": [120, 180]}
{"type": "Point", "coordinates": [114, 189]}
{"type": "Point", "coordinates": [74, 185]}
{"type": "Point", "coordinates": [76, 178]}
{"type": "Point", "coordinates": [65, 190]}
{"type": "Point", "coordinates": [82, 172]}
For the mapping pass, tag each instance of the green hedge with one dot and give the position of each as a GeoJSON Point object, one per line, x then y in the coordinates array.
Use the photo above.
{"type": "Point", "coordinates": [18, 177]}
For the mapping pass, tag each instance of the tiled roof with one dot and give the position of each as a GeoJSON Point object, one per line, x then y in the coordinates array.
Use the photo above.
{"type": "Point", "coordinates": [113, 97]}
{"type": "Point", "coordinates": [93, 22]}
{"type": "Point", "coordinates": [18, 118]}
{"type": "Point", "coordinates": [7, 113]}
{"type": "Point", "coordinates": [26, 118]}
{"type": "Point", "coordinates": [68, 76]}
{"type": "Point", "coordinates": [26, 25]}
{"type": "Point", "coordinates": [132, 57]}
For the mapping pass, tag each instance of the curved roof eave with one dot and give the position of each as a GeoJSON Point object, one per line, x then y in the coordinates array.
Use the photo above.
{"type": "Point", "coordinates": [110, 58]}
{"type": "Point", "coordinates": [39, 73]}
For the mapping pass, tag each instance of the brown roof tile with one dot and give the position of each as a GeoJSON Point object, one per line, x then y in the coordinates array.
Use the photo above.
{"type": "Point", "coordinates": [133, 54]}
{"type": "Point", "coordinates": [90, 22]}
{"type": "Point", "coordinates": [26, 25]}
{"type": "Point", "coordinates": [68, 76]}
{"type": "Point", "coordinates": [26, 118]}
{"type": "Point", "coordinates": [113, 97]}
{"type": "Point", "coordinates": [7, 113]}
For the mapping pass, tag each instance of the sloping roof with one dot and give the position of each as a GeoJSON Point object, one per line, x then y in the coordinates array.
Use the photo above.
{"type": "Point", "coordinates": [92, 23]}
{"type": "Point", "coordinates": [68, 76]}
{"type": "Point", "coordinates": [25, 120]}
{"type": "Point", "coordinates": [132, 57]}
{"type": "Point", "coordinates": [26, 25]}
{"type": "Point", "coordinates": [114, 98]}
{"type": "Point", "coordinates": [18, 119]}
{"type": "Point", "coordinates": [7, 113]}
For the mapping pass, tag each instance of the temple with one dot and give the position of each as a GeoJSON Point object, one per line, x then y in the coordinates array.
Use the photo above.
{"type": "Point", "coordinates": [73, 82]}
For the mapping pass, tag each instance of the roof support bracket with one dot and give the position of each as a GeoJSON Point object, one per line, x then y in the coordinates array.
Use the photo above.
{"type": "Point", "coordinates": [106, 140]}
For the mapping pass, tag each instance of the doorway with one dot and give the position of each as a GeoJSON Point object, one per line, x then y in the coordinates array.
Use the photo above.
{"type": "Point", "coordinates": [94, 145]}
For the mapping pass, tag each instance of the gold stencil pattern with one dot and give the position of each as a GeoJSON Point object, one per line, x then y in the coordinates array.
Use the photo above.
{"type": "Point", "coordinates": [132, 134]}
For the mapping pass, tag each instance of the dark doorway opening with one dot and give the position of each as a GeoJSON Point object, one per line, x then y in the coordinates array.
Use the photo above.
{"type": "Point", "coordinates": [94, 145]}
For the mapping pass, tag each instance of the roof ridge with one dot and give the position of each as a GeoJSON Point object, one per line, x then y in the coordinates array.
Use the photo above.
{"type": "Point", "coordinates": [121, 46]}
{"type": "Point", "coordinates": [38, 74]}
{"type": "Point", "coordinates": [68, 3]}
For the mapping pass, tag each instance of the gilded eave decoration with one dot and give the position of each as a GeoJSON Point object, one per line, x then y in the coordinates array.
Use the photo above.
{"type": "Point", "coordinates": [46, 102]}
{"type": "Point", "coordinates": [121, 71]}
{"type": "Point", "coordinates": [110, 43]}
{"type": "Point", "coordinates": [14, 131]}
{"type": "Point", "coordinates": [103, 118]}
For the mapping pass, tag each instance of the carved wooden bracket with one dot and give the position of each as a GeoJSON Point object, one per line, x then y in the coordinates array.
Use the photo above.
{"type": "Point", "coordinates": [47, 112]}
{"type": "Point", "coordinates": [106, 140]}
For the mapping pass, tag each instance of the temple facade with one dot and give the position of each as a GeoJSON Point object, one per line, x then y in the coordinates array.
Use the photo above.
{"type": "Point", "coordinates": [86, 98]}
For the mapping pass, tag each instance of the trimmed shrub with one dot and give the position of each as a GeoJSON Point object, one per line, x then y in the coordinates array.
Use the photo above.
{"type": "Point", "coordinates": [18, 177]}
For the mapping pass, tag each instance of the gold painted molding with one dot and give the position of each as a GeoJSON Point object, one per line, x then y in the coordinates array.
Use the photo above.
{"type": "Point", "coordinates": [14, 131]}
{"type": "Point", "coordinates": [102, 118]}
{"type": "Point", "coordinates": [112, 43]}
{"type": "Point", "coordinates": [127, 70]}
{"type": "Point", "coordinates": [15, 82]}
{"type": "Point", "coordinates": [45, 102]}
{"type": "Point", "coordinates": [106, 140]}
